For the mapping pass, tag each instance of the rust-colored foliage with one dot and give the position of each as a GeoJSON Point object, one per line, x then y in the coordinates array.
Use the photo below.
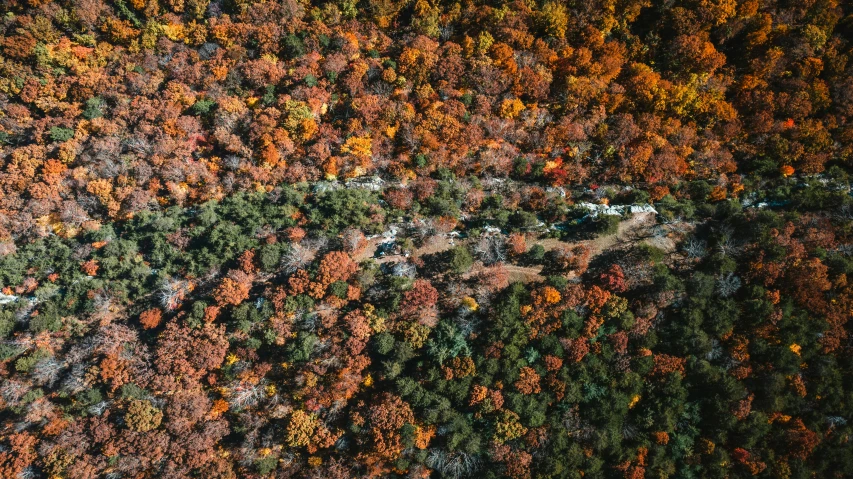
{"type": "Point", "coordinates": [387, 416]}
{"type": "Point", "coordinates": [151, 318]}
{"type": "Point", "coordinates": [233, 289]}
{"type": "Point", "coordinates": [665, 364]}
{"type": "Point", "coordinates": [419, 303]}
{"type": "Point", "coordinates": [90, 267]}
{"type": "Point", "coordinates": [613, 279]}
{"type": "Point", "coordinates": [528, 381]}
{"type": "Point", "coordinates": [335, 266]}
{"type": "Point", "coordinates": [801, 440]}
{"type": "Point", "coordinates": [150, 146]}
{"type": "Point", "coordinates": [190, 353]}
{"type": "Point", "coordinates": [516, 244]}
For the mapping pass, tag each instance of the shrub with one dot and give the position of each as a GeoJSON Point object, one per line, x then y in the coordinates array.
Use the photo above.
{"type": "Point", "coordinates": [61, 134]}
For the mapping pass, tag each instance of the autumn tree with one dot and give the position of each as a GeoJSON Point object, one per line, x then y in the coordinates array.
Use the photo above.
{"type": "Point", "coordinates": [234, 288]}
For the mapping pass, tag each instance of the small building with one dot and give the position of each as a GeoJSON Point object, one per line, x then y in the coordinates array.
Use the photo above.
{"type": "Point", "coordinates": [388, 248]}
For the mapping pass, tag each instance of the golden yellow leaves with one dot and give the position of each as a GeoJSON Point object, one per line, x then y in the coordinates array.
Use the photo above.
{"type": "Point", "coordinates": [634, 401]}
{"type": "Point", "coordinates": [508, 427]}
{"type": "Point", "coordinates": [191, 33]}
{"type": "Point", "coordinates": [551, 295]}
{"type": "Point", "coordinates": [554, 19]}
{"type": "Point", "coordinates": [510, 108]}
{"type": "Point", "coordinates": [301, 428]}
{"type": "Point", "coordinates": [416, 334]}
{"type": "Point", "coordinates": [358, 146]}
{"type": "Point", "coordinates": [484, 42]}
{"type": "Point", "coordinates": [173, 31]}
{"type": "Point", "coordinates": [470, 303]}
{"type": "Point", "coordinates": [377, 323]}
{"type": "Point", "coordinates": [459, 367]}
{"type": "Point", "coordinates": [101, 188]}
{"type": "Point", "coordinates": [231, 359]}
{"type": "Point", "coordinates": [142, 416]}
{"type": "Point", "coordinates": [300, 122]}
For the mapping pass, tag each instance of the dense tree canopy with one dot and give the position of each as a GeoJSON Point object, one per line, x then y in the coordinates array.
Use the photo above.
{"type": "Point", "coordinates": [382, 238]}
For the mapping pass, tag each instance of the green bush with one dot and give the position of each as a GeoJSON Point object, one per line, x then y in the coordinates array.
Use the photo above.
{"type": "Point", "coordinates": [61, 134]}
{"type": "Point", "coordinates": [536, 253]}
{"type": "Point", "coordinates": [293, 46]}
{"type": "Point", "coordinates": [94, 108]}
{"type": "Point", "coordinates": [523, 220]}
{"type": "Point", "coordinates": [203, 106]}
{"type": "Point", "coordinates": [606, 225]}
{"type": "Point", "coordinates": [7, 323]}
{"type": "Point", "coordinates": [459, 259]}
{"type": "Point", "coordinates": [339, 289]}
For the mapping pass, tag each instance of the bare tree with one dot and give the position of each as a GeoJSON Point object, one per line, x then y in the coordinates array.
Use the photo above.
{"type": "Point", "coordinates": [297, 257]}
{"type": "Point", "coordinates": [695, 248]}
{"type": "Point", "coordinates": [47, 371]}
{"type": "Point", "coordinates": [29, 472]}
{"type": "Point", "coordinates": [423, 229]}
{"type": "Point", "coordinates": [726, 244]}
{"type": "Point", "coordinates": [172, 291]}
{"type": "Point", "coordinates": [491, 249]}
{"type": "Point", "coordinates": [98, 408]}
{"type": "Point", "coordinates": [845, 249]}
{"type": "Point", "coordinates": [452, 464]}
{"type": "Point", "coordinates": [75, 382]}
{"type": "Point", "coordinates": [729, 247]}
{"type": "Point", "coordinates": [13, 391]}
{"type": "Point", "coordinates": [445, 32]}
{"type": "Point", "coordinates": [73, 214]}
{"type": "Point", "coordinates": [403, 269]}
{"type": "Point", "coordinates": [716, 351]}
{"type": "Point", "coordinates": [845, 212]}
{"type": "Point", "coordinates": [410, 139]}
{"type": "Point", "coordinates": [245, 395]}
{"type": "Point", "coordinates": [728, 284]}
{"type": "Point", "coordinates": [353, 240]}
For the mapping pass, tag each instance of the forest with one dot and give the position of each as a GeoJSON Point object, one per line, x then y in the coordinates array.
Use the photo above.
{"type": "Point", "coordinates": [355, 239]}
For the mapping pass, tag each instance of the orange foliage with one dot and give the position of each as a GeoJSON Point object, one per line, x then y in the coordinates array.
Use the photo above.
{"type": "Point", "coordinates": [335, 266]}
{"type": "Point", "coordinates": [231, 291]}
{"type": "Point", "coordinates": [528, 381]}
{"type": "Point", "coordinates": [89, 267]}
{"type": "Point", "coordinates": [151, 318]}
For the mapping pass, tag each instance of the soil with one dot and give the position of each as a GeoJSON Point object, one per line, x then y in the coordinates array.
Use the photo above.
{"type": "Point", "coordinates": [637, 228]}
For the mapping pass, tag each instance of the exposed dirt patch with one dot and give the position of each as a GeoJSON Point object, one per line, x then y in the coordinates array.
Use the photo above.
{"type": "Point", "coordinates": [637, 228]}
{"type": "Point", "coordinates": [525, 274]}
